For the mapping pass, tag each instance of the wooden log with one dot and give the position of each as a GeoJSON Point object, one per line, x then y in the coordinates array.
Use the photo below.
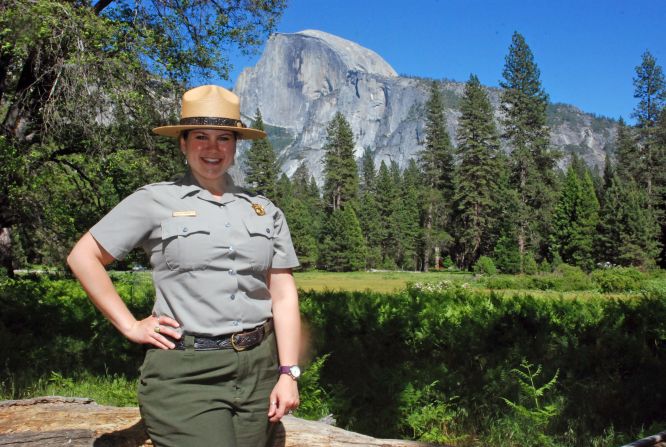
{"type": "Point", "coordinates": [658, 440]}
{"type": "Point", "coordinates": [57, 421]}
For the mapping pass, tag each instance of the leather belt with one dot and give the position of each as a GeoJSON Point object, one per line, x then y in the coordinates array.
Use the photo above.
{"type": "Point", "coordinates": [238, 341]}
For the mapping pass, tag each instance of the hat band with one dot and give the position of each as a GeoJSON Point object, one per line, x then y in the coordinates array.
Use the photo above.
{"type": "Point", "coordinates": [210, 121]}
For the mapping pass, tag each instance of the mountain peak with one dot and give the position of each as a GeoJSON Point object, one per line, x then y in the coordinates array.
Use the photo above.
{"type": "Point", "coordinates": [356, 57]}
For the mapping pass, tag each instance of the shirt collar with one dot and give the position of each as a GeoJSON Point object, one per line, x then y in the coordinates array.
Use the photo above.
{"type": "Point", "coordinates": [192, 187]}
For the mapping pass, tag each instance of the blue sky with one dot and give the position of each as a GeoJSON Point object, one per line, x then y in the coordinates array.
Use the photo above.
{"type": "Point", "coordinates": [586, 50]}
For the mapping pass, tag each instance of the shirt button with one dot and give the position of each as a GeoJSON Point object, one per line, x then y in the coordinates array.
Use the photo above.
{"type": "Point", "coordinates": [185, 230]}
{"type": "Point", "coordinates": [231, 249]}
{"type": "Point", "coordinates": [268, 230]}
{"type": "Point", "coordinates": [232, 272]}
{"type": "Point", "coordinates": [235, 323]}
{"type": "Point", "coordinates": [228, 224]}
{"type": "Point", "coordinates": [233, 296]}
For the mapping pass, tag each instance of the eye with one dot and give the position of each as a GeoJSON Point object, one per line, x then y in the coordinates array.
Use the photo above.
{"type": "Point", "coordinates": [224, 138]}
{"type": "Point", "coordinates": [201, 137]}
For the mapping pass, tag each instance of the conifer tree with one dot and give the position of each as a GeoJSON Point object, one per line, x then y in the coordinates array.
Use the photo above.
{"type": "Point", "coordinates": [410, 230]}
{"type": "Point", "coordinates": [477, 189]}
{"type": "Point", "coordinates": [369, 216]}
{"type": "Point", "coordinates": [436, 162]}
{"type": "Point", "coordinates": [628, 229]}
{"type": "Point", "coordinates": [532, 162]}
{"type": "Point", "coordinates": [575, 220]}
{"type": "Point", "coordinates": [650, 90]}
{"type": "Point", "coordinates": [340, 171]}
{"type": "Point", "coordinates": [342, 247]}
{"type": "Point", "coordinates": [368, 171]}
{"type": "Point", "coordinates": [262, 167]}
{"type": "Point", "coordinates": [387, 200]}
{"type": "Point", "coordinates": [305, 216]}
{"type": "Point", "coordinates": [629, 165]}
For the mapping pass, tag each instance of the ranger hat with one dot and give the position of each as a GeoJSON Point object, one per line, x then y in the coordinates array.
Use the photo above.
{"type": "Point", "coordinates": [210, 107]}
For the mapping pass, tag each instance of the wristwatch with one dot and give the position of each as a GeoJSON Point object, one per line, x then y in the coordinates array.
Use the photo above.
{"type": "Point", "coordinates": [294, 371]}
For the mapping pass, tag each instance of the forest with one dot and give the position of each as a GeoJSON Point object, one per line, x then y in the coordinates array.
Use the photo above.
{"type": "Point", "coordinates": [484, 357]}
{"type": "Point", "coordinates": [81, 89]}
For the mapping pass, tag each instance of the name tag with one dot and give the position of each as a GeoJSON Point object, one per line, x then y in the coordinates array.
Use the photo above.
{"type": "Point", "coordinates": [184, 213]}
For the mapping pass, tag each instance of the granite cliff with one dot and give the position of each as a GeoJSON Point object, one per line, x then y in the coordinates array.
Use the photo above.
{"type": "Point", "coordinates": [303, 79]}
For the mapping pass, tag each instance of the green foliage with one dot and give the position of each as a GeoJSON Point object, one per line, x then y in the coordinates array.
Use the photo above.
{"type": "Point", "coordinates": [437, 170]}
{"type": "Point", "coordinates": [343, 246]}
{"type": "Point", "coordinates": [341, 183]}
{"type": "Point", "coordinates": [431, 362]}
{"type": "Point", "coordinates": [485, 265]}
{"type": "Point", "coordinates": [429, 419]}
{"type": "Point", "coordinates": [532, 163]}
{"type": "Point", "coordinates": [507, 256]}
{"type": "Point", "coordinates": [478, 185]}
{"type": "Point", "coordinates": [530, 266]}
{"type": "Point", "coordinates": [575, 220]}
{"type": "Point", "coordinates": [618, 279]}
{"type": "Point", "coordinates": [531, 415]}
{"type": "Point", "coordinates": [262, 168]}
{"type": "Point", "coordinates": [314, 399]}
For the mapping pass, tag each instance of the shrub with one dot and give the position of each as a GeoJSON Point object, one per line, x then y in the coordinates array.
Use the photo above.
{"type": "Point", "coordinates": [529, 264]}
{"type": "Point", "coordinates": [572, 278]}
{"type": "Point", "coordinates": [507, 256]}
{"type": "Point", "coordinates": [618, 279]}
{"type": "Point", "coordinates": [485, 265]}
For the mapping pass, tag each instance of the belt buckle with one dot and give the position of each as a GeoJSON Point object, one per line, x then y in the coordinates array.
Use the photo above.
{"type": "Point", "coordinates": [234, 345]}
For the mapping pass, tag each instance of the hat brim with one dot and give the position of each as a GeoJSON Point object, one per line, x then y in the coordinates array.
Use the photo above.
{"type": "Point", "coordinates": [244, 133]}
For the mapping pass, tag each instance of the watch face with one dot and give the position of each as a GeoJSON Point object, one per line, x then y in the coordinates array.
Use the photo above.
{"type": "Point", "coordinates": [295, 371]}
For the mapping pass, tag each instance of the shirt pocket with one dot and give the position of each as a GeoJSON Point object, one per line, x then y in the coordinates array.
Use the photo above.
{"type": "Point", "coordinates": [186, 243]}
{"type": "Point", "coordinates": [261, 231]}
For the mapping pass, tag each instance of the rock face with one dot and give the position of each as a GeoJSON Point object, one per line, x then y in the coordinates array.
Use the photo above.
{"type": "Point", "coordinates": [303, 79]}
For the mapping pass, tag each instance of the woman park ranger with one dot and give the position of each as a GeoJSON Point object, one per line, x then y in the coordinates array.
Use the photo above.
{"type": "Point", "coordinates": [224, 334]}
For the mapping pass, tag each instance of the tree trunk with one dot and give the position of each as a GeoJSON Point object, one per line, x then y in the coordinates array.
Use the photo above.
{"type": "Point", "coordinates": [57, 421]}
{"type": "Point", "coordinates": [6, 251]}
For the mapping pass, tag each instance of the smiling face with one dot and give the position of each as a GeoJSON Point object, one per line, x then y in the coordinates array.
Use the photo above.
{"type": "Point", "coordinates": [209, 153]}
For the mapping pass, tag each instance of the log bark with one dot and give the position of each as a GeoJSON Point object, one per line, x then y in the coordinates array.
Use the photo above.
{"type": "Point", "coordinates": [57, 421]}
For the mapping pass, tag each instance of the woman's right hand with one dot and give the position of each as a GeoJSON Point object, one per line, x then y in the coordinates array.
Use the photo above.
{"type": "Point", "coordinates": [152, 330]}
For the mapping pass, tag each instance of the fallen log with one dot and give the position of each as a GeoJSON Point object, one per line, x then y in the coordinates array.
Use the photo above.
{"type": "Point", "coordinates": [57, 421]}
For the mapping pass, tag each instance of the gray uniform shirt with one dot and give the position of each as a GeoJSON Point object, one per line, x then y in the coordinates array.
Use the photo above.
{"type": "Point", "coordinates": [210, 258]}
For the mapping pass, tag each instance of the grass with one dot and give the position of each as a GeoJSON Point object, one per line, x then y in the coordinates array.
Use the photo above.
{"type": "Point", "coordinates": [108, 389]}
{"type": "Point", "coordinates": [376, 281]}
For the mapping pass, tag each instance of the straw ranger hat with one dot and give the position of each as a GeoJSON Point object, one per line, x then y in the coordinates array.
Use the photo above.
{"type": "Point", "coordinates": [210, 107]}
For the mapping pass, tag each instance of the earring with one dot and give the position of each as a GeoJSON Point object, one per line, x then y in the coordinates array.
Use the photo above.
{"type": "Point", "coordinates": [186, 162]}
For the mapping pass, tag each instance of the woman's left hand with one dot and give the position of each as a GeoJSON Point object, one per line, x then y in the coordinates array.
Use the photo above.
{"type": "Point", "coordinates": [284, 398]}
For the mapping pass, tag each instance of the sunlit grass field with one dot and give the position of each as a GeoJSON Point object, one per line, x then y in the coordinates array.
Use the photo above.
{"type": "Point", "coordinates": [376, 281]}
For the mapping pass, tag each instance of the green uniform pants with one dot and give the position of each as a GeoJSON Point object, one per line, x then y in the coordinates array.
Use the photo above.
{"type": "Point", "coordinates": [219, 398]}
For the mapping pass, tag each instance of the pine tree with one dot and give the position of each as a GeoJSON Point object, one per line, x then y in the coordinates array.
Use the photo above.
{"type": "Point", "coordinates": [284, 192]}
{"type": "Point", "coordinates": [262, 167]}
{"type": "Point", "coordinates": [523, 105]}
{"type": "Point", "coordinates": [409, 211]}
{"type": "Point", "coordinates": [477, 188]}
{"type": "Point", "coordinates": [369, 216]}
{"type": "Point", "coordinates": [387, 199]}
{"type": "Point", "coordinates": [342, 248]}
{"type": "Point", "coordinates": [575, 220]}
{"type": "Point", "coordinates": [340, 171]}
{"type": "Point", "coordinates": [628, 230]}
{"type": "Point", "coordinates": [368, 172]}
{"type": "Point", "coordinates": [436, 162]}
{"type": "Point", "coordinates": [629, 165]}
{"type": "Point", "coordinates": [650, 90]}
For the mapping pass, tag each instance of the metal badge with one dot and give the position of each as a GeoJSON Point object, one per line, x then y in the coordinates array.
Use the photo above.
{"type": "Point", "coordinates": [258, 209]}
